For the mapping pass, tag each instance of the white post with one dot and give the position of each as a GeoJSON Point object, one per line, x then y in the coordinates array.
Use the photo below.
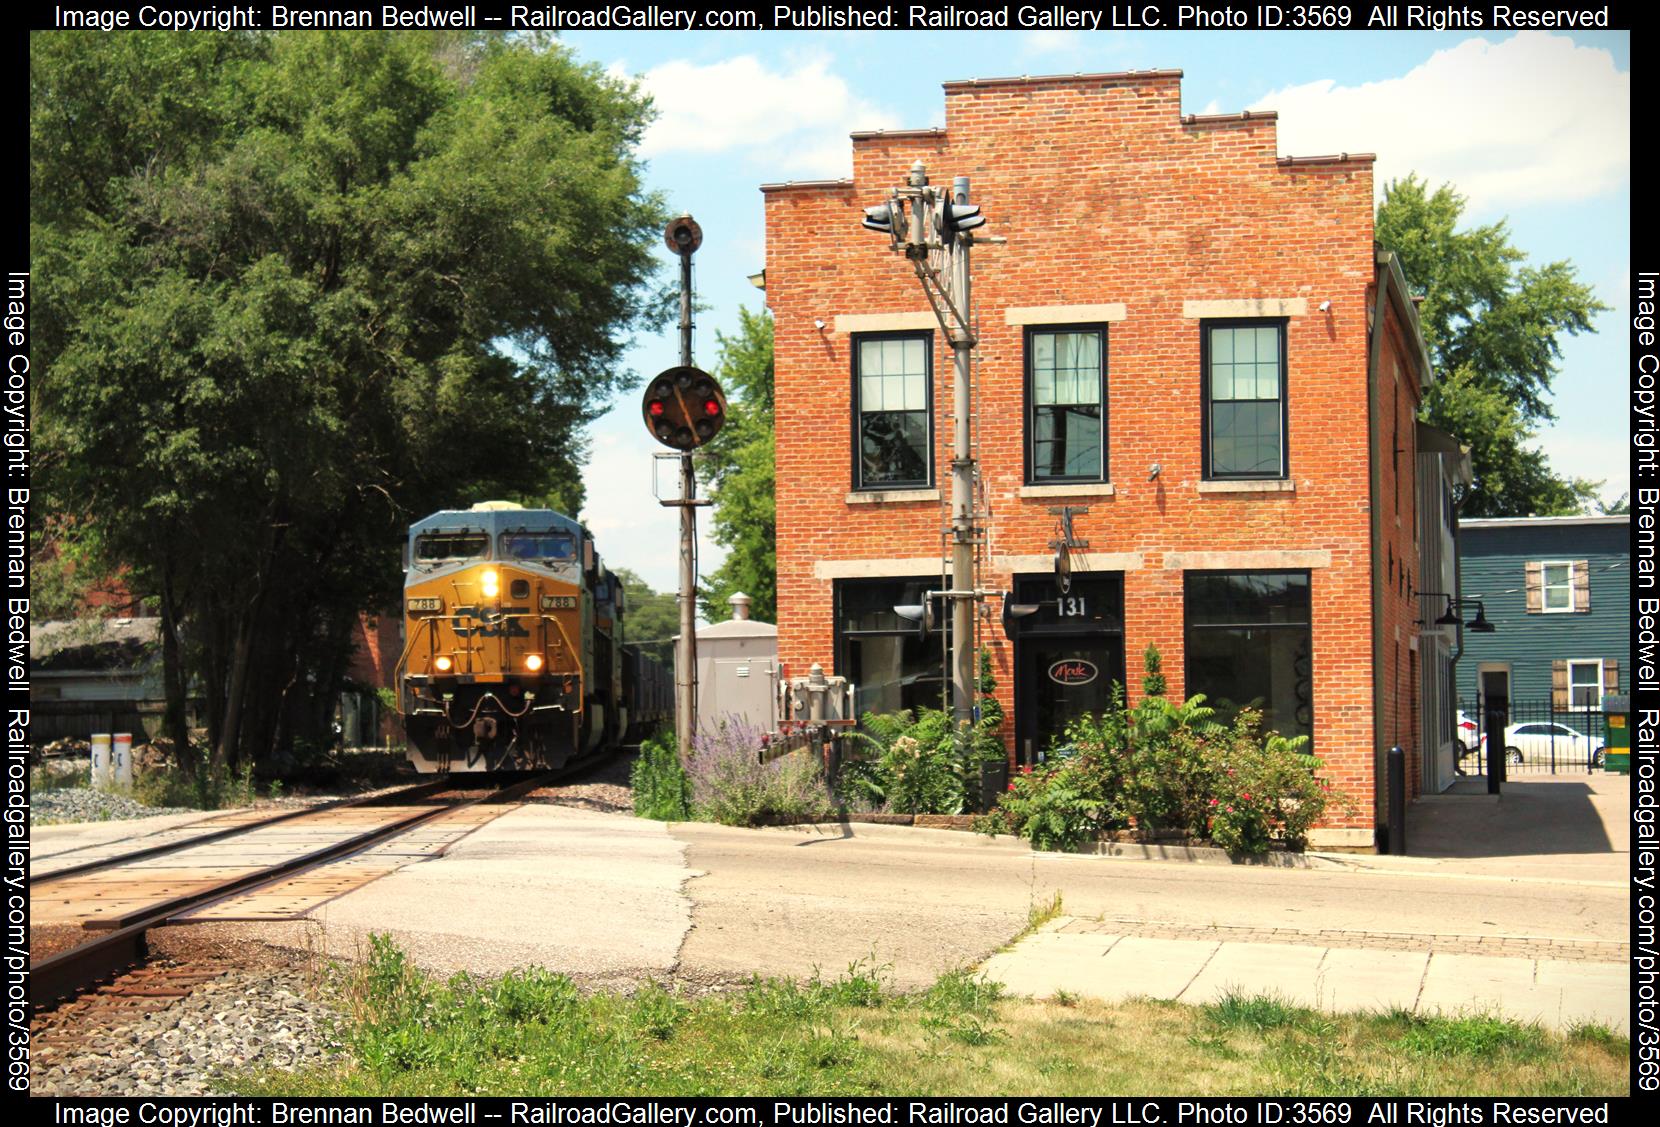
{"type": "Point", "coordinates": [100, 760]}
{"type": "Point", "coordinates": [121, 760]}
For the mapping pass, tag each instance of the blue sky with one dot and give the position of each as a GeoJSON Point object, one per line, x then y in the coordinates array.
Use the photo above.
{"type": "Point", "coordinates": [1533, 127]}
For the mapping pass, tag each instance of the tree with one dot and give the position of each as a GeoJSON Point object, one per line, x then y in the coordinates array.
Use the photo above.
{"type": "Point", "coordinates": [653, 616]}
{"type": "Point", "coordinates": [742, 481]}
{"type": "Point", "coordinates": [297, 289]}
{"type": "Point", "coordinates": [1492, 324]}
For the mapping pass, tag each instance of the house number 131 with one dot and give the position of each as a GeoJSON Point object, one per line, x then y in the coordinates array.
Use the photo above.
{"type": "Point", "coordinates": [1072, 608]}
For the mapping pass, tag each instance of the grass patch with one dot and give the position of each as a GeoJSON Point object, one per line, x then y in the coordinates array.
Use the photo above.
{"type": "Point", "coordinates": [534, 1033]}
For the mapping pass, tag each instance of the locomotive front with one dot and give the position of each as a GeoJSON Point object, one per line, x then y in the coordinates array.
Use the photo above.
{"type": "Point", "coordinates": [496, 672]}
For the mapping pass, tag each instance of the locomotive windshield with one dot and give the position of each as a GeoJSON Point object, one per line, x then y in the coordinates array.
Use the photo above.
{"type": "Point", "coordinates": [432, 547]}
{"type": "Point", "coordinates": [543, 547]}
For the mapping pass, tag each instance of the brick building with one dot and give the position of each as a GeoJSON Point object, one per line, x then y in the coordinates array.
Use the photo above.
{"type": "Point", "coordinates": [1270, 556]}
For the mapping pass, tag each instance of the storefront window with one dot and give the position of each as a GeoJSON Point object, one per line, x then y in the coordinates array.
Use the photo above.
{"type": "Point", "coordinates": [1249, 644]}
{"type": "Point", "coordinates": [889, 660]}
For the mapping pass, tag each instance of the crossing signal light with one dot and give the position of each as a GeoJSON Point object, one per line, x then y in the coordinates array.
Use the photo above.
{"type": "Point", "coordinates": [880, 218]}
{"type": "Point", "coordinates": [959, 218]}
{"type": "Point", "coordinates": [684, 407]}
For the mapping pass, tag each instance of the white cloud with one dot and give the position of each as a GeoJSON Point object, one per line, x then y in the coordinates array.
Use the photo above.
{"type": "Point", "coordinates": [1532, 119]}
{"type": "Point", "coordinates": [796, 119]}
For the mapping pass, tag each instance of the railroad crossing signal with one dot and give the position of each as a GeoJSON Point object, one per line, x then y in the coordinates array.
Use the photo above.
{"type": "Point", "coordinates": [684, 407]}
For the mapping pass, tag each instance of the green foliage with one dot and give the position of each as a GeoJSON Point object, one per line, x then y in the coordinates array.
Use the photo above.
{"type": "Point", "coordinates": [1492, 324]}
{"type": "Point", "coordinates": [914, 764]}
{"type": "Point", "coordinates": [652, 616]}
{"type": "Point", "coordinates": [730, 785]}
{"type": "Point", "coordinates": [208, 786]}
{"type": "Point", "coordinates": [295, 289]}
{"type": "Point", "coordinates": [661, 789]}
{"type": "Point", "coordinates": [1258, 1012]}
{"type": "Point", "coordinates": [1165, 767]}
{"type": "Point", "coordinates": [740, 461]}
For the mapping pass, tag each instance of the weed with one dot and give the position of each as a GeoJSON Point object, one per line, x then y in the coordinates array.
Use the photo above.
{"type": "Point", "coordinates": [1064, 998]}
{"type": "Point", "coordinates": [864, 984]}
{"type": "Point", "coordinates": [961, 991]}
{"type": "Point", "coordinates": [655, 1012]}
{"type": "Point", "coordinates": [1595, 1033]}
{"type": "Point", "coordinates": [1258, 1012]}
{"type": "Point", "coordinates": [1473, 1035]}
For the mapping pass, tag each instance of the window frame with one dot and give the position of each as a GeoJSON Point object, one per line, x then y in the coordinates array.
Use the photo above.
{"type": "Point", "coordinates": [1584, 662]}
{"type": "Point", "coordinates": [1545, 586]}
{"type": "Point", "coordinates": [856, 341]}
{"type": "Point", "coordinates": [841, 638]}
{"type": "Point", "coordinates": [1189, 627]}
{"type": "Point", "coordinates": [1205, 423]}
{"type": "Point", "coordinates": [1030, 405]}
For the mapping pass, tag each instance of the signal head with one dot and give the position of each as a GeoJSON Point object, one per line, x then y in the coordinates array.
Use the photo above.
{"type": "Point", "coordinates": [684, 408]}
{"type": "Point", "coordinates": [683, 235]}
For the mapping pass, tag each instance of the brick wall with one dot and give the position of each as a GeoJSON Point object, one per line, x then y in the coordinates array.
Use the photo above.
{"type": "Point", "coordinates": [1107, 194]}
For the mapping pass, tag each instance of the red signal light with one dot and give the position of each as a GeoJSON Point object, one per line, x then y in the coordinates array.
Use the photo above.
{"type": "Point", "coordinates": [711, 407]}
{"type": "Point", "coordinates": [656, 408]}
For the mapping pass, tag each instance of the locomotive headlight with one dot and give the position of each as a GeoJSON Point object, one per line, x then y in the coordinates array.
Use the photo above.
{"type": "Point", "coordinates": [491, 582]}
{"type": "Point", "coordinates": [533, 662]}
{"type": "Point", "coordinates": [442, 664]}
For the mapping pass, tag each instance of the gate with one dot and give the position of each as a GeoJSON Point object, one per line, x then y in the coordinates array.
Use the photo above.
{"type": "Point", "coordinates": [1538, 738]}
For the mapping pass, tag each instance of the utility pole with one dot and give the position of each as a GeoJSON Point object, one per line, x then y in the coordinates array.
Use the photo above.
{"type": "Point", "coordinates": [684, 407]}
{"type": "Point", "coordinates": [933, 227]}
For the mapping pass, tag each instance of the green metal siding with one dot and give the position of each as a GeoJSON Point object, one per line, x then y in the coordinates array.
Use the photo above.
{"type": "Point", "coordinates": [1493, 563]}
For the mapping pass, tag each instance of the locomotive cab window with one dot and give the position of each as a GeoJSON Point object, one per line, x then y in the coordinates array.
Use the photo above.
{"type": "Point", "coordinates": [539, 547]}
{"type": "Point", "coordinates": [435, 547]}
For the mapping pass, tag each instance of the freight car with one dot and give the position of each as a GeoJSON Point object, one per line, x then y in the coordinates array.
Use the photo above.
{"type": "Point", "coordinates": [514, 656]}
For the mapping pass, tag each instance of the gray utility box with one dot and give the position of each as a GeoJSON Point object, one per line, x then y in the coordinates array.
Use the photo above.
{"type": "Point", "coordinates": [737, 671]}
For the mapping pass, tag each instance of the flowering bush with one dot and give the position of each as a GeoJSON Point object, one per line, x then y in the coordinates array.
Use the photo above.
{"type": "Point", "coordinates": [730, 785]}
{"type": "Point", "coordinates": [911, 766]}
{"type": "Point", "coordinates": [1166, 767]}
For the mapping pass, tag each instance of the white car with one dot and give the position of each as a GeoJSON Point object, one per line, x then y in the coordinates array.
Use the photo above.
{"type": "Point", "coordinates": [1545, 743]}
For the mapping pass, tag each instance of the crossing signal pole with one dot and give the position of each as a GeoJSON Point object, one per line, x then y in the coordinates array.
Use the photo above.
{"type": "Point", "coordinates": [683, 408]}
{"type": "Point", "coordinates": [934, 227]}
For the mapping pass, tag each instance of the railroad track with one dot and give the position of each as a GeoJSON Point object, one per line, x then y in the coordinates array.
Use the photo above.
{"type": "Point", "coordinates": [110, 904]}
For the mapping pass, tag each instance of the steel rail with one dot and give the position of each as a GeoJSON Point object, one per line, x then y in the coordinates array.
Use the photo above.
{"type": "Point", "coordinates": [420, 790]}
{"type": "Point", "coordinates": [68, 973]}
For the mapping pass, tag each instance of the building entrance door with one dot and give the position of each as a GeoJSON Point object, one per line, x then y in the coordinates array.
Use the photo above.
{"type": "Point", "coordinates": [1067, 656]}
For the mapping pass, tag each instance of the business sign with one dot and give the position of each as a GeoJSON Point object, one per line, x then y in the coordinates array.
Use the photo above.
{"type": "Point", "coordinates": [1074, 671]}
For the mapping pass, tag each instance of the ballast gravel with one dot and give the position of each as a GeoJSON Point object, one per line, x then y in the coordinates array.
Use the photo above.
{"type": "Point", "coordinates": [82, 804]}
{"type": "Point", "coordinates": [246, 1021]}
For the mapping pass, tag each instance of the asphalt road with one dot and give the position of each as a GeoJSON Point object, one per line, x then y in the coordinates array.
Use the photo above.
{"type": "Point", "coordinates": [788, 900]}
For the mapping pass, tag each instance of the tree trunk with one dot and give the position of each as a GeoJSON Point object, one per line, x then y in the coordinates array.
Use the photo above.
{"type": "Point", "coordinates": [175, 724]}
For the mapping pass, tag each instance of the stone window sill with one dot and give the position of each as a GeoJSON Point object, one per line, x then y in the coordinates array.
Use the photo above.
{"type": "Point", "coordinates": [1286, 486]}
{"type": "Point", "coordinates": [1070, 489]}
{"type": "Point", "coordinates": [892, 496]}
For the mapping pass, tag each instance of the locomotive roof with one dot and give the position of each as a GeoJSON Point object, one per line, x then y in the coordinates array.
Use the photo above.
{"type": "Point", "coordinates": [496, 521]}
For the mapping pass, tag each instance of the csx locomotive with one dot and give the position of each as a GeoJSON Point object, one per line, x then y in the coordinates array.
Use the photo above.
{"type": "Point", "coordinates": [513, 655]}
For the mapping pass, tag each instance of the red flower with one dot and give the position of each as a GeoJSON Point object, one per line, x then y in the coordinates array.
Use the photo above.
{"type": "Point", "coordinates": [1246, 797]}
{"type": "Point", "coordinates": [1026, 770]}
{"type": "Point", "coordinates": [1213, 802]}
{"type": "Point", "coordinates": [1011, 786]}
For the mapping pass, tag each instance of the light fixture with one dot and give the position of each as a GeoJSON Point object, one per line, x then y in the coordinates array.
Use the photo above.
{"type": "Point", "coordinates": [1325, 306]}
{"type": "Point", "coordinates": [442, 664]}
{"type": "Point", "coordinates": [533, 662]}
{"type": "Point", "coordinates": [1155, 471]}
{"type": "Point", "coordinates": [759, 281]}
{"type": "Point", "coordinates": [1452, 616]}
{"type": "Point", "coordinates": [818, 324]}
{"type": "Point", "coordinates": [491, 583]}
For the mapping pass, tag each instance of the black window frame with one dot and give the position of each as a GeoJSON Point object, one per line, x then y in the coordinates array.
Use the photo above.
{"type": "Point", "coordinates": [1205, 422]}
{"type": "Point", "coordinates": [1189, 627]}
{"type": "Point", "coordinates": [841, 637]}
{"type": "Point", "coordinates": [1030, 405]}
{"type": "Point", "coordinates": [856, 341]}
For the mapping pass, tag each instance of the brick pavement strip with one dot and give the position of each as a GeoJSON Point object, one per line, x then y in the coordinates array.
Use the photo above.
{"type": "Point", "coordinates": [1532, 947]}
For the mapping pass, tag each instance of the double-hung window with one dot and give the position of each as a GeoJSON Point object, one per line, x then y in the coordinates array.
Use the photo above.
{"type": "Point", "coordinates": [1244, 399]}
{"type": "Point", "coordinates": [1558, 586]}
{"type": "Point", "coordinates": [1585, 684]}
{"type": "Point", "coordinates": [892, 422]}
{"type": "Point", "coordinates": [1066, 396]}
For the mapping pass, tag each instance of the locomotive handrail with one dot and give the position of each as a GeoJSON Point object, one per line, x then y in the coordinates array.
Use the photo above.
{"type": "Point", "coordinates": [402, 667]}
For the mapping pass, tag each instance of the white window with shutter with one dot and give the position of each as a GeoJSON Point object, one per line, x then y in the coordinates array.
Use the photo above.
{"type": "Point", "coordinates": [1558, 586]}
{"type": "Point", "coordinates": [1582, 683]}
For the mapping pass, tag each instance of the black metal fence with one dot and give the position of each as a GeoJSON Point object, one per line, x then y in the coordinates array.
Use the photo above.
{"type": "Point", "coordinates": [1538, 738]}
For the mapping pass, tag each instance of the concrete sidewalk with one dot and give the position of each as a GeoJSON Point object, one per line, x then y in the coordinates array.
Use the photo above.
{"type": "Point", "coordinates": [1570, 830]}
{"type": "Point", "coordinates": [1556, 983]}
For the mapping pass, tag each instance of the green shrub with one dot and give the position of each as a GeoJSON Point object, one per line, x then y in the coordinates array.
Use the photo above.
{"type": "Point", "coordinates": [1167, 767]}
{"type": "Point", "coordinates": [661, 789]}
{"type": "Point", "coordinates": [919, 764]}
{"type": "Point", "coordinates": [730, 784]}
